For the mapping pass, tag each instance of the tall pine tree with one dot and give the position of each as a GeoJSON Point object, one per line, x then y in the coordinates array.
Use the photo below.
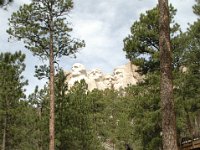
{"type": "Point", "coordinates": [166, 80]}
{"type": "Point", "coordinates": [43, 27]}
{"type": "Point", "coordinates": [11, 92]}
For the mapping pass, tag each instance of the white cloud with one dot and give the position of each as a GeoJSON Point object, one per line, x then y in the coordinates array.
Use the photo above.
{"type": "Point", "coordinates": [185, 13]}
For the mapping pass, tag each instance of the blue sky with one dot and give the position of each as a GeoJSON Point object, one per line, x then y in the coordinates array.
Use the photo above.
{"type": "Point", "coordinates": [103, 24]}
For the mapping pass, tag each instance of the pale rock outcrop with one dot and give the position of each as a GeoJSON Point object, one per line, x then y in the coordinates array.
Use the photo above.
{"type": "Point", "coordinates": [108, 80]}
{"type": "Point", "coordinates": [119, 78]}
{"type": "Point", "coordinates": [122, 76]}
{"type": "Point", "coordinates": [78, 73]}
{"type": "Point", "coordinates": [97, 75]}
{"type": "Point", "coordinates": [183, 69]}
{"type": "Point", "coordinates": [125, 75]}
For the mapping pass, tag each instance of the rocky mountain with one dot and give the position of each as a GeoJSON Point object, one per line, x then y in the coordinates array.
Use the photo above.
{"type": "Point", "coordinates": [121, 77]}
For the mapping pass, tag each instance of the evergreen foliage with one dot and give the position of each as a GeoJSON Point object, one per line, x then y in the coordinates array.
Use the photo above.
{"type": "Point", "coordinates": [145, 113]}
{"type": "Point", "coordinates": [33, 22]}
{"type": "Point", "coordinates": [79, 127]}
{"type": "Point", "coordinates": [5, 2]}
{"type": "Point", "coordinates": [139, 51]}
{"type": "Point", "coordinates": [187, 91]}
{"type": "Point", "coordinates": [93, 120]}
{"type": "Point", "coordinates": [142, 45]}
{"type": "Point", "coordinates": [11, 94]}
{"type": "Point", "coordinates": [74, 118]}
{"type": "Point", "coordinates": [39, 103]}
{"type": "Point", "coordinates": [43, 27]}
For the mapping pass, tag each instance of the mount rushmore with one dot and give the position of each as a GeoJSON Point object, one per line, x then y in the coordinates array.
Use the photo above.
{"type": "Point", "coordinates": [121, 77]}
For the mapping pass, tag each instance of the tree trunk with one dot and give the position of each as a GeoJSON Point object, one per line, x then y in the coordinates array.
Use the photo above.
{"type": "Point", "coordinates": [166, 84]}
{"type": "Point", "coordinates": [39, 143]}
{"type": "Point", "coordinates": [4, 134]}
{"type": "Point", "coordinates": [5, 123]}
{"type": "Point", "coordinates": [52, 95]}
{"type": "Point", "coordinates": [189, 123]}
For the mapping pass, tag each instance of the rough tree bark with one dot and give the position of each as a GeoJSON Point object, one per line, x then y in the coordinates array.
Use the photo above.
{"type": "Point", "coordinates": [52, 99]}
{"type": "Point", "coordinates": [5, 126]}
{"type": "Point", "coordinates": [4, 134]}
{"type": "Point", "coordinates": [52, 94]}
{"type": "Point", "coordinates": [166, 84]}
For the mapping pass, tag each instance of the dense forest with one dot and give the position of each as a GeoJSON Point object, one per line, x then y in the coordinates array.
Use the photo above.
{"type": "Point", "coordinates": [97, 119]}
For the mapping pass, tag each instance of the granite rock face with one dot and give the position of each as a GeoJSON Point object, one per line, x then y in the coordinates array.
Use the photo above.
{"type": "Point", "coordinates": [121, 77]}
{"type": "Point", "coordinates": [78, 73]}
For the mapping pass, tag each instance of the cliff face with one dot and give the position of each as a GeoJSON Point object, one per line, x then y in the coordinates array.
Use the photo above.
{"type": "Point", "coordinates": [121, 77]}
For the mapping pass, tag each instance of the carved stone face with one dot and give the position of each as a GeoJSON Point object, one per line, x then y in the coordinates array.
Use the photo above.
{"type": "Point", "coordinates": [118, 73]}
{"type": "Point", "coordinates": [78, 69]}
{"type": "Point", "coordinates": [96, 74]}
{"type": "Point", "coordinates": [108, 80]}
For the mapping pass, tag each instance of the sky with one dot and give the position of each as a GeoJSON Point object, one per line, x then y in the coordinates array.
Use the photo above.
{"type": "Point", "coordinates": [102, 24]}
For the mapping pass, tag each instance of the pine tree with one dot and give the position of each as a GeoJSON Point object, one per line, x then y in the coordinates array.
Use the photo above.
{"type": "Point", "coordinates": [187, 91]}
{"type": "Point", "coordinates": [142, 45]}
{"type": "Point", "coordinates": [166, 83]}
{"type": "Point", "coordinates": [145, 113]}
{"type": "Point", "coordinates": [61, 110]}
{"type": "Point", "coordinates": [43, 28]}
{"type": "Point", "coordinates": [78, 129]}
{"type": "Point", "coordinates": [142, 48]}
{"type": "Point", "coordinates": [5, 2]}
{"type": "Point", "coordinates": [11, 93]}
{"type": "Point", "coordinates": [39, 104]}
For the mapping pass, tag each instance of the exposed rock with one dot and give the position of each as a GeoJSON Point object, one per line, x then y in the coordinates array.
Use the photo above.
{"type": "Point", "coordinates": [122, 76]}
{"type": "Point", "coordinates": [125, 75]}
{"type": "Point", "coordinates": [183, 69]}
{"type": "Point", "coordinates": [97, 76]}
{"type": "Point", "coordinates": [108, 80]}
{"type": "Point", "coordinates": [78, 73]}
